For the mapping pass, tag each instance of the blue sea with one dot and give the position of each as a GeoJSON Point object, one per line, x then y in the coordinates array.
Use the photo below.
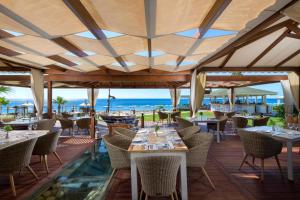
{"type": "Point", "coordinates": [116, 104]}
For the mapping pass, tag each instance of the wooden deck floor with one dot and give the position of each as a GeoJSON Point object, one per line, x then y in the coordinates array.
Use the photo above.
{"type": "Point", "coordinates": [68, 149]}
{"type": "Point", "coordinates": [231, 184]}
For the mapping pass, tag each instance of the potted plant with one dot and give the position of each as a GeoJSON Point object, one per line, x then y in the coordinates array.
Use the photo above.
{"type": "Point", "coordinates": [201, 114]}
{"type": "Point", "coordinates": [156, 129]}
{"type": "Point", "coordinates": [7, 129]}
{"type": "Point", "coordinates": [60, 101]}
{"type": "Point", "coordinates": [272, 123]}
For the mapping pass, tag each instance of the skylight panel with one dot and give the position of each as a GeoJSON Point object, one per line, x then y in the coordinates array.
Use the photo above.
{"type": "Point", "coordinates": [14, 33]}
{"type": "Point", "coordinates": [108, 34]}
{"type": "Point", "coordinates": [129, 64]}
{"type": "Point", "coordinates": [153, 53]}
{"type": "Point", "coordinates": [90, 53]}
{"type": "Point", "coordinates": [194, 33]}
{"type": "Point", "coordinates": [188, 62]}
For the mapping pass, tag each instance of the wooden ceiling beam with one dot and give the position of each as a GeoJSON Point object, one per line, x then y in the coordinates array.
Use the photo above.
{"type": "Point", "coordinates": [85, 17]}
{"type": "Point", "coordinates": [55, 67]}
{"type": "Point", "coordinates": [213, 14]}
{"type": "Point", "coordinates": [295, 36]}
{"type": "Point", "coordinates": [62, 60]}
{"type": "Point", "coordinates": [4, 34]}
{"type": "Point", "coordinates": [269, 48]}
{"type": "Point", "coordinates": [116, 78]}
{"type": "Point", "coordinates": [226, 59]}
{"type": "Point", "coordinates": [14, 69]}
{"type": "Point", "coordinates": [19, 64]}
{"type": "Point", "coordinates": [247, 78]}
{"type": "Point", "coordinates": [252, 69]}
{"type": "Point", "coordinates": [8, 52]}
{"type": "Point", "coordinates": [69, 46]}
{"type": "Point", "coordinates": [288, 58]}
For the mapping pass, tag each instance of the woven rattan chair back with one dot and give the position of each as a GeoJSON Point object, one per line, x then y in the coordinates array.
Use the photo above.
{"type": "Point", "coordinates": [46, 144]}
{"type": "Point", "coordinates": [263, 121]}
{"type": "Point", "coordinates": [188, 132]}
{"type": "Point", "coordinates": [198, 146]}
{"type": "Point", "coordinates": [117, 147]}
{"type": "Point", "coordinates": [124, 131]}
{"type": "Point", "coordinates": [162, 115]}
{"type": "Point", "coordinates": [183, 123]}
{"type": "Point", "coordinates": [259, 145]}
{"type": "Point", "coordinates": [83, 123]}
{"type": "Point", "coordinates": [16, 157]}
{"type": "Point", "coordinates": [239, 122]}
{"type": "Point", "coordinates": [45, 124]}
{"type": "Point", "coordinates": [158, 174]}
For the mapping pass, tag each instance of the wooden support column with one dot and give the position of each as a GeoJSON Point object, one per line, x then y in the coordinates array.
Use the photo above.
{"type": "Point", "coordinates": [175, 99]}
{"type": "Point", "coordinates": [232, 99]}
{"type": "Point", "coordinates": [49, 105]}
{"type": "Point", "coordinates": [92, 115]}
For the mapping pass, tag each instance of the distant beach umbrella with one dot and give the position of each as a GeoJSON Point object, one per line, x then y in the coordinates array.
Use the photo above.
{"type": "Point", "coordinates": [84, 104]}
{"type": "Point", "coordinates": [27, 104]}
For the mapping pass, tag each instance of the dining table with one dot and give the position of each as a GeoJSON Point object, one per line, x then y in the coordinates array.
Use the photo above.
{"type": "Point", "coordinates": [18, 136]}
{"type": "Point", "coordinates": [285, 135]}
{"type": "Point", "coordinates": [204, 119]}
{"type": "Point", "coordinates": [165, 142]}
{"type": "Point", "coordinates": [21, 124]}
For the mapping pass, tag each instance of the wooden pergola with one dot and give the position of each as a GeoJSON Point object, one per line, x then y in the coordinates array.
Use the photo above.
{"type": "Point", "coordinates": [88, 44]}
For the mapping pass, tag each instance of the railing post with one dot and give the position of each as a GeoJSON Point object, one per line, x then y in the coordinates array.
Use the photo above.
{"type": "Point", "coordinates": [92, 125]}
{"type": "Point", "coordinates": [142, 121]}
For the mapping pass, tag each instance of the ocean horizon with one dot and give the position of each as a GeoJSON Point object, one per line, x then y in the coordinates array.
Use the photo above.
{"type": "Point", "coordinates": [120, 104]}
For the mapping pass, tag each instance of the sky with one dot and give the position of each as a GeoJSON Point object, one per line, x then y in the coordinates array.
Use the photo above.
{"type": "Point", "coordinates": [25, 93]}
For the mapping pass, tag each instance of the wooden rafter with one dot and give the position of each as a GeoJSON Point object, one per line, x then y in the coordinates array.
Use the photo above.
{"type": "Point", "coordinates": [226, 59]}
{"type": "Point", "coordinates": [254, 69]}
{"type": "Point", "coordinates": [62, 60]}
{"type": "Point", "coordinates": [84, 16]}
{"type": "Point", "coordinates": [213, 14]}
{"type": "Point", "coordinates": [4, 34]}
{"type": "Point", "coordinates": [288, 58]}
{"type": "Point", "coordinates": [244, 38]}
{"type": "Point", "coordinates": [69, 46]}
{"type": "Point", "coordinates": [18, 63]}
{"type": "Point", "coordinates": [8, 52]}
{"type": "Point", "coordinates": [269, 48]}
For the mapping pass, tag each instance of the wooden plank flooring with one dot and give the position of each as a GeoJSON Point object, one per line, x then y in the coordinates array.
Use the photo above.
{"type": "Point", "coordinates": [231, 184]}
{"type": "Point", "coordinates": [68, 149]}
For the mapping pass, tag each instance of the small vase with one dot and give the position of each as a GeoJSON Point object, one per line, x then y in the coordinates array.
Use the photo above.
{"type": "Point", "coordinates": [7, 136]}
{"type": "Point", "coordinates": [273, 128]}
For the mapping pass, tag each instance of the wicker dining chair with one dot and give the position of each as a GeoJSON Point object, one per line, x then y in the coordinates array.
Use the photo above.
{"type": "Point", "coordinates": [117, 147]}
{"type": "Point", "coordinates": [66, 115]}
{"type": "Point", "coordinates": [15, 158]}
{"type": "Point", "coordinates": [66, 124]}
{"type": "Point", "coordinates": [188, 132]}
{"type": "Point", "coordinates": [162, 116]}
{"type": "Point", "coordinates": [263, 121]}
{"type": "Point", "coordinates": [218, 114]}
{"type": "Point", "coordinates": [183, 123]}
{"type": "Point", "coordinates": [83, 124]}
{"type": "Point", "coordinates": [45, 124]}
{"type": "Point", "coordinates": [174, 115]}
{"type": "Point", "coordinates": [196, 156]}
{"type": "Point", "coordinates": [239, 122]}
{"type": "Point", "coordinates": [124, 131]}
{"type": "Point", "coordinates": [46, 145]}
{"type": "Point", "coordinates": [158, 175]}
{"type": "Point", "coordinates": [230, 114]}
{"type": "Point", "coordinates": [260, 146]}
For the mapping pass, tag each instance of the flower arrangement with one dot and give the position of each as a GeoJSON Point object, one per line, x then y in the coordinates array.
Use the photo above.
{"type": "Point", "coordinates": [156, 129]}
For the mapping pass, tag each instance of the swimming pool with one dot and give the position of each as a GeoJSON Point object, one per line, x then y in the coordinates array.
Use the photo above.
{"type": "Point", "coordinates": [84, 178]}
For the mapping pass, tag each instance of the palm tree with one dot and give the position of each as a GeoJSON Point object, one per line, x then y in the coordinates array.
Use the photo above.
{"type": "Point", "coordinates": [4, 89]}
{"type": "Point", "coordinates": [59, 101]}
{"type": "Point", "coordinates": [3, 102]}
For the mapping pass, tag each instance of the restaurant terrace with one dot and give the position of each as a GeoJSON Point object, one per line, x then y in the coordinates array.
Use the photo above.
{"type": "Point", "coordinates": [194, 151]}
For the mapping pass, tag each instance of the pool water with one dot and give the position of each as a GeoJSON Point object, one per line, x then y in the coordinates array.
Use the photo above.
{"type": "Point", "coordinates": [84, 178]}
